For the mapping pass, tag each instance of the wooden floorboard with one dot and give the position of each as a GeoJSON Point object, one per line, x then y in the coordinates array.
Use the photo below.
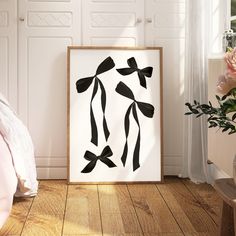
{"type": "Point", "coordinates": [117, 211]}
{"type": "Point", "coordinates": [153, 214]}
{"type": "Point", "coordinates": [188, 212]}
{"type": "Point", "coordinates": [47, 212]}
{"type": "Point", "coordinates": [16, 221]}
{"type": "Point", "coordinates": [207, 198]}
{"type": "Point", "coordinates": [163, 234]}
{"type": "Point", "coordinates": [82, 215]}
{"type": "Point", "coordinates": [175, 208]}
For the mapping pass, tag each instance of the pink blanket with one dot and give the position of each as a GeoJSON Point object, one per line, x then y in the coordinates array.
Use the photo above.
{"type": "Point", "coordinates": [17, 163]}
{"type": "Point", "coordinates": [8, 181]}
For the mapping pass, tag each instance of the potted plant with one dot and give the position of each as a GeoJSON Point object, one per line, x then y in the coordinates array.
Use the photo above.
{"type": "Point", "coordinates": [224, 115]}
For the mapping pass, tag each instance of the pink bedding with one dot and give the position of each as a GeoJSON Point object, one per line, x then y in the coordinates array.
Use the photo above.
{"type": "Point", "coordinates": [17, 162]}
{"type": "Point", "coordinates": [8, 181]}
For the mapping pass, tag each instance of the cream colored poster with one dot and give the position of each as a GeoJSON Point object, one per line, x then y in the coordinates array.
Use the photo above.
{"type": "Point", "coordinates": [114, 115]}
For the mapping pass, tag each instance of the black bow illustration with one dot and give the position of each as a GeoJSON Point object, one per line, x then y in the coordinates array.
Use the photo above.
{"type": "Point", "coordinates": [107, 152]}
{"type": "Point", "coordinates": [142, 73]}
{"type": "Point", "coordinates": [147, 110]}
{"type": "Point", "coordinates": [83, 84]}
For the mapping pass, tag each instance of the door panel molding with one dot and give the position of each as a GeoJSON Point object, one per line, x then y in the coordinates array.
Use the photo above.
{"type": "Point", "coordinates": [8, 50]}
{"type": "Point", "coordinates": [46, 30]}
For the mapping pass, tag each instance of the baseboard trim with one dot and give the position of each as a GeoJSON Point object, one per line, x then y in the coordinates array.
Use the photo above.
{"type": "Point", "coordinates": [51, 172]}
{"type": "Point", "coordinates": [60, 172]}
{"type": "Point", "coordinates": [217, 173]}
{"type": "Point", "coordinates": [50, 162]}
{"type": "Point", "coordinates": [172, 170]}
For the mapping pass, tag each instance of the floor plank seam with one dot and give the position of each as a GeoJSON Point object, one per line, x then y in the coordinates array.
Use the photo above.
{"type": "Point", "coordinates": [26, 218]}
{"type": "Point", "coordinates": [170, 209]}
{"type": "Point", "coordinates": [100, 212]}
{"type": "Point", "coordinates": [202, 206]}
{"type": "Point", "coordinates": [63, 220]}
{"type": "Point", "coordinates": [127, 186]}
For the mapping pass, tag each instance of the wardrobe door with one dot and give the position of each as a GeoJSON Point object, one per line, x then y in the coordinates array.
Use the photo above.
{"type": "Point", "coordinates": [113, 22]}
{"type": "Point", "coordinates": [8, 50]}
{"type": "Point", "coordinates": [165, 27]}
{"type": "Point", "coordinates": [46, 28]}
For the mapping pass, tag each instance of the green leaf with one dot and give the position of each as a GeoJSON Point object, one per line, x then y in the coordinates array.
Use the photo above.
{"type": "Point", "coordinates": [217, 116]}
{"type": "Point", "coordinates": [224, 97]}
{"type": "Point", "coordinates": [212, 124]}
{"type": "Point", "coordinates": [195, 111]}
{"type": "Point", "coordinates": [233, 92]}
{"type": "Point", "coordinates": [234, 116]}
{"type": "Point", "coordinates": [199, 115]}
{"type": "Point", "coordinates": [225, 129]}
{"type": "Point", "coordinates": [209, 118]}
{"type": "Point", "coordinates": [229, 105]}
{"type": "Point", "coordinates": [205, 106]}
{"type": "Point", "coordinates": [232, 132]}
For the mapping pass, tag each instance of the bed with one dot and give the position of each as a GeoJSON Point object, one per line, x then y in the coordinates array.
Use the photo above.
{"type": "Point", "coordinates": [17, 163]}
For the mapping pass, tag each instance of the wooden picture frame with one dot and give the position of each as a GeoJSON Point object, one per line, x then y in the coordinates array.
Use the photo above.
{"type": "Point", "coordinates": [114, 115]}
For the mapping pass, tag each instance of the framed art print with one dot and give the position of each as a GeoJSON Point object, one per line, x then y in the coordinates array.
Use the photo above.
{"type": "Point", "coordinates": [114, 114]}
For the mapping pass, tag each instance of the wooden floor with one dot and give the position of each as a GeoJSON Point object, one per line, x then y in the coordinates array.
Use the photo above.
{"type": "Point", "coordinates": [177, 207]}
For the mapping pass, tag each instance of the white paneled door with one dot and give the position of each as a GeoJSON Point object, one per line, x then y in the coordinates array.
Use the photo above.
{"type": "Point", "coordinates": [113, 22]}
{"type": "Point", "coordinates": [8, 50]}
{"type": "Point", "coordinates": [46, 28]}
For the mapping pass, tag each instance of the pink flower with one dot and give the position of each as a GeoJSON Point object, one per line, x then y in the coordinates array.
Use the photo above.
{"type": "Point", "coordinates": [225, 84]}
{"type": "Point", "coordinates": [230, 59]}
{"type": "Point", "coordinates": [228, 81]}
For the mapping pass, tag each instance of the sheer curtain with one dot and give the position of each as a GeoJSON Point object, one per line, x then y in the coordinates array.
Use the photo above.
{"type": "Point", "coordinates": [199, 23]}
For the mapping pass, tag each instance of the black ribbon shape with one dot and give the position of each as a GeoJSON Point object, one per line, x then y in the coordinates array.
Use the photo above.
{"type": "Point", "coordinates": [83, 84]}
{"type": "Point", "coordinates": [146, 109]}
{"type": "Point", "coordinates": [142, 73]}
{"type": "Point", "coordinates": [107, 152]}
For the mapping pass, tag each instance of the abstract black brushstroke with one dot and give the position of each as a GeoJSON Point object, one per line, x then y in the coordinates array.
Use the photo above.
{"type": "Point", "coordinates": [142, 73]}
{"type": "Point", "coordinates": [84, 83]}
{"type": "Point", "coordinates": [146, 109]}
{"type": "Point", "coordinates": [92, 158]}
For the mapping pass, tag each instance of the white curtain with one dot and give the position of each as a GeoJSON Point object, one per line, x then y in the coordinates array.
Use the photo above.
{"type": "Point", "coordinates": [199, 20]}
